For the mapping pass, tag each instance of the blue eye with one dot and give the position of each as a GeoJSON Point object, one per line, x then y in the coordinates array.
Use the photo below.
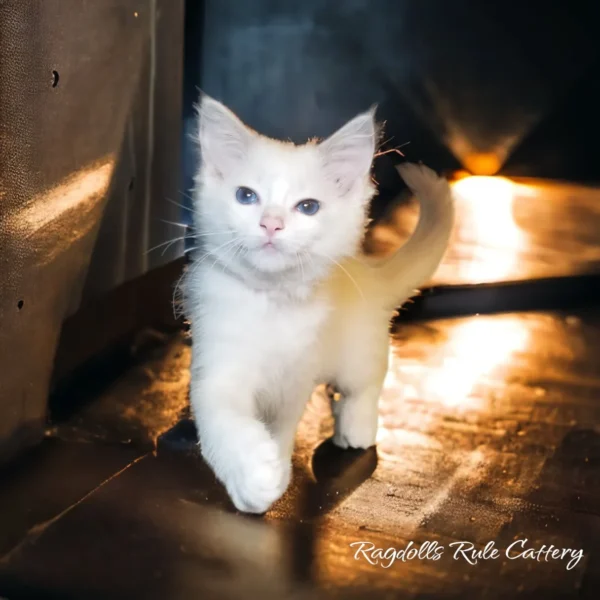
{"type": "Point", "coordinates": [308, 207]}
{"type": "Point", "coordinates": [245, 195]}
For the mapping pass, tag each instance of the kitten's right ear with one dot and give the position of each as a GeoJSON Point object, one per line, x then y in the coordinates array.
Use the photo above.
{"type": "Point", "coordinates": [223, 138]}
{"type": "Point", "coordinates": [348, 153]}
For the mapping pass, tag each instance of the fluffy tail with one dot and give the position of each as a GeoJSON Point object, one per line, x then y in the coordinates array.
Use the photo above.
{"type": "Point", "coordinates": [417, 260]}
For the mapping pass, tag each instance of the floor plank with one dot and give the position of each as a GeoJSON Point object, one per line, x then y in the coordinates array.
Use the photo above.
{"type": "Point", "coordinates": [489, 433]}
{"type": "Point", "coordinates": [508, 230]}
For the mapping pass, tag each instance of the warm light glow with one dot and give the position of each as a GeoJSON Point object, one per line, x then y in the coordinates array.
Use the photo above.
{"type": "Point", "coordinates": [65, 213]}
{"type": "Point", "coordinates": [487, 224]}
{"type": "Point", "coordinates": [472, 351]}
{"type": "Point", "coordinates": [449, 369]}
{"type": "Point", "coordinates": [483, 163]}
{"type": "Point", "coordinates": [482, 189]}
{"type": "Point", "coordinates": [486, 245]}
{"type": "Point", "coordinates": [85, 188]}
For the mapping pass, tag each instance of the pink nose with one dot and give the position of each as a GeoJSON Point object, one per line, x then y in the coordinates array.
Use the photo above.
{"type": "Point", "coordinates": [271, 224]}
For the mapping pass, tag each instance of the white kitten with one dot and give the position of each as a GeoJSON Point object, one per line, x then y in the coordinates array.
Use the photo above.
{"type": "Point", "coordinates": [281, 299]}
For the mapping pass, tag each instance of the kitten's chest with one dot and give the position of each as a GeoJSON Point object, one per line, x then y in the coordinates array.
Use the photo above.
{"type": "Point", "coordinates": [280, 340]}
{"type": "Point", "coordinates": [288, 334]}
{"type": "Point", "coordinates": [263, 333]}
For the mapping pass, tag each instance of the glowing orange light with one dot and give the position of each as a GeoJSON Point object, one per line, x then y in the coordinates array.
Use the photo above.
{"type": "Point", "coordinates": [488, 226]}
{"type": "Point", "coordinates": [485, 163]}
{"type": "Point", "coordinates": [458, 175]}
{"type": "Point", "coordinates": [482, 188]}
{"type": "Point", "coordinates": [450, 376]}
{"type": "Point", "coordinates": [474, 349]}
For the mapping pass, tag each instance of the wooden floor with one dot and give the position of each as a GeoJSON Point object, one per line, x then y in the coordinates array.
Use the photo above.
{"type": "Point", "coordinates": [507, 231]}
{"type": "Point", "coordinates": [489, 435]}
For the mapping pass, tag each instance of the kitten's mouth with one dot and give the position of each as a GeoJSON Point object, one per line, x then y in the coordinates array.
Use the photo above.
{"type": "Point", "coordinates": [270, 257]}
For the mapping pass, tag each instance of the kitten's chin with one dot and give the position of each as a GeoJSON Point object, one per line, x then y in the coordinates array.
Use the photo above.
{"type": "Point", "coordinates": [271, 260]}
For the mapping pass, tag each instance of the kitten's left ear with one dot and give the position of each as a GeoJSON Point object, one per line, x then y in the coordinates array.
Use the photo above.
{"type": "Point", "coordinates": [224, 139]}
{"type": "Point", "coordinates": [348, 153]}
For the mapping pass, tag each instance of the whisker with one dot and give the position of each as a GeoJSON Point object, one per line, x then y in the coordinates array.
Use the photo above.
{"type": "Point", "coordinates": [204, 234]}
{"type": "Point", "coordinates": [240, 247]}
{"type": "Point", "coordinates": [180, 205]}
{"type": "Point", "coordinates": [214, 252]}
{"type": "Point", "coordinates": [189, 236]}
{"type": "Point", "coordinates": [166, 248]}
{"type": "Point", "coordinates": [310, 260]}
{"type": "Point", "coordinates": [178, 291]}
{"type": "Point", "coordinates": [186, 195]}
{"type": "Point", "coordinates": [184, 225]}
{"type": "Point", "coordinates": [299, 257]}
{"type": "Point", "coordinates": [179, 294]}
{"type": "Point", "coordinates": [228, 247]}
{"type": "Point", "coordinates": [236, 250]}
{"type": "Point", "coordinates": [167, 244]}
{"type": "Point", "coordinates": [335, 262]}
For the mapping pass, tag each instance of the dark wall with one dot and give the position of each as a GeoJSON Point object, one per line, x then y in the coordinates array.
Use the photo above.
{"type": "Point", "coordinates": [90, 108]}
{"type": "Point", "coordinates": [516, 79]}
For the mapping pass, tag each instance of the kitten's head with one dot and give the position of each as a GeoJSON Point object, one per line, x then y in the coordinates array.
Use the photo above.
{"type": "Point", "coordinates": [273, 206]}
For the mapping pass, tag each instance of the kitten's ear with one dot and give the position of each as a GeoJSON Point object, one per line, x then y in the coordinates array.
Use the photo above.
{"type": "Point", "coordinates": [224, 139]}
{"type": "Point", "coordinates": [348, 153]}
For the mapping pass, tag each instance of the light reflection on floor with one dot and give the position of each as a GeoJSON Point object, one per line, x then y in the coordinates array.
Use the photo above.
{"type": "Point", "coordinates": [461, 398]}
{"type": "Point", "coordinates": [473, 349]}
{"type": "Point", "coordinates": [487, 215]}
{"type": "Point", "coordinates": [508, 230]}
{"type": "Point", "coordinates": [469, 451]}
{"type": "Point", "coordinates": [447, 378]}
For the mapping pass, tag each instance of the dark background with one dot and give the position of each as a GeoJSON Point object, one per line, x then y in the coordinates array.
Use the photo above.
{"type": "Point", "coordinates": [519, 80]}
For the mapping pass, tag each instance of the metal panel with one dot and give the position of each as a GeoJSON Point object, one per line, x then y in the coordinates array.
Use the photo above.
{"type": "Point", "coordinates": [72, 73]}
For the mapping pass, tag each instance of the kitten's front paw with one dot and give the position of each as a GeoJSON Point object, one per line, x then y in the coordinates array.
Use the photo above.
{"type": "Point", "coordinates": [355, 425]}
{"type": "Point", "coordinates": [260, 478]}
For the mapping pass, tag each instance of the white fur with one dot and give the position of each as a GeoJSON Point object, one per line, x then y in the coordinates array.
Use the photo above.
{"type": "Point", "coordinates": [268, 324]}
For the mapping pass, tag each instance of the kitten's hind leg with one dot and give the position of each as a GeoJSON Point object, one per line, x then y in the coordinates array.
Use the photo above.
{"type": "Point", "coordinates": [355, 406]}
{"type": "Point", "coordinates": [356, 415]}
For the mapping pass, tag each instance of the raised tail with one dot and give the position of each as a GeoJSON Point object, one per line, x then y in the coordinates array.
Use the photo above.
{"type": "Point", "coordinates": [415, 262]}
